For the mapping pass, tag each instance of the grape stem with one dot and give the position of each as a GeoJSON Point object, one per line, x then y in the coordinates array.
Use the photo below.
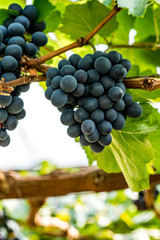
{"type": "Point", "coordinates": [149, 83]}
{"type": "Point", "coordinates": [79, 43]}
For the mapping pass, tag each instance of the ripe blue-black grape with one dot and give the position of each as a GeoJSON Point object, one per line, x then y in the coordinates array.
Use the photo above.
{"type": "Point", "coordinates": [5, 100]}
{"type": "Point", "coordinates": [71, 100]}
{"type": "Point", "coordinates": [96, 89]}
{"type": "Point", "coordinates": [13, 50]}
{"type": "Point", "coordinates": [81, 76]}
{"type": "Point", "coordinates": [96, 147]}
{"type": "Point", "coordinates": [48, 82]}
{"type": "Point", "coordinates": [3, 115]}
{"type": "Point", "coordinates": [62, 63]}
{"type": "Point", "coordinates": [23, 20]}
{"type": "Point", "coordinates": [85, 63]}
{"type": "Point", "coordinates": [79, 91]}
{"type": "Point", "coordinates": [17, 40]}
{"type": "Point", "coordinates": [111, 115]}
{"type": "Point", "coordinates": [134, 110]}
{"type": "Point", "coordinates": [59, 98]}
{"type": "Point", "coordinates": [74, 130]}
{"type": "Point", "coordinates": [74, 59]}
{"type": "Point", "coordinates": [118, 72]}
{"type": "Point", "coordinates": [39, 39]}
{"type": "Point", "coordinates": [16, 29]}
{"type": "Point", "coordinates": [68, 83]}
{"type": "Point", "coordinates": [93, 76]}
{"type": "Point", "coordinates": [11, 122]}
{"type": "Point", "coordinates": [126, 63]}
{"type": "Point", "coordinates": [105, 140]}
{"type": "Point", "coordinates": [52, 72]}
{"type": "Point", "coordinates": [80, 115]}
{"type": "Point", "coordinates": [119, 123]}
{"type": "Point", "coordinates": [102, 65]}
{"type": "Point", "coordinates": [16, 7]}
{"type": "Point", "coordinates": [37, 26]}
{"type": "Point", "coordinates": [93, 137]}
{"type": "Point", "coordinates": [49, 92]}
{"type": "Point", "coordinates": [9, 63]}
{"type": "Point", "coordinates": [115, 93]}
{"type": "Point", "coordinates": [8, 76]}
{"type": "Point", "coordinates": [16, 105]}
{"type": "Point", "coordinates": [3, 29]}
{"type": "Point", "coordinates": [5, 142]}
{"type": "Point", "coordinates": [67, 117]}
{"type": "Point", "coordinates": [56, 82]}
{"type": "Point", "coordinates": [105, 127]}
{"type": "Point", "coordinates": [105, 102]}
{"type": "Point", "coordinates": [127, 98]}
{"type": "Point", "coordinates": [3, 134]}
{"type": "Point", "coordinates": [30, 49]}
{"type": "Point", "coordinates": [122, 86]}
{"type": "Point", "coordinates": [83, 141]}
{"type": "Point", "coordinates": [91, 104]}
{"type": "Point", "coordinates": [8, 21]}
{"type": "Point", "coordinates": [30, 12]}
{"type": "Point", "coordinates": [66, 106]}
{"type": "Point", "coordinates": [119, 105]}
{"type": "Point", "coordinates": [98, 54]}
{"type": "Point", "coordinates": [23, 87]}
{"type": "Point", "coordinates": [21, 114]}
{"type": "Point", "coordinates": [88, 127]}
{"type": "Point", "coordinates": [97, 116]}
{"type": "Point", "coordinates": [114, 57]}
{"type": "Point", "coordinates": [67, 70]}
{"type": "Point", "coordinates": [107, 82]}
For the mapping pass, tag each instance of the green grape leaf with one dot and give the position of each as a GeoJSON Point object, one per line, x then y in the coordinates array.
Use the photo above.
{"type": "Point", "coordinates": [4, 13]}
{"type": "Point", "coordinates": [80, 19]}
{"type": "Point", "coordinates": [154, 139]}
{"type": "Point", "coordinates": [131, 149]}
{"type": "Point", "coordinates": [48, 13]}
{"type": "Point", "coordinates": [145, 26]}
{"type": "Point", "coordinates": [135, 7]}
{"type": "Point", "coordinates": [121, 35]}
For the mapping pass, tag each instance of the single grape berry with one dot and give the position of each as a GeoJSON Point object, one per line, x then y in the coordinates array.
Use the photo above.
{"type": "Point", "coordinates": [115, 93]}
{"type": "Point", "coordinates": [88, 127]}
{"type": "Point", "coordinates": [30, 12]}
{"type": "Point", "coordinates": [68, 83]}
{"type": "Point", "coordinates": [102, 65]}
{"type": "Point", "coordinates": [59, 98]}
{"type": "Point", "coordinates": [67, 117]}
{"type": "Point", "coordinates": [39, 39]}
{"type": "Point", "coordinates": [134, 110]}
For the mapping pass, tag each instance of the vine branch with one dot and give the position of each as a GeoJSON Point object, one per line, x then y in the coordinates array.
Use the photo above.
{"type": "Point", "coordinates": [79, 43]}
{"type": "Point", "coordinates": [149, 83]}
{"type": "Point", "coordinates": [60, 182]}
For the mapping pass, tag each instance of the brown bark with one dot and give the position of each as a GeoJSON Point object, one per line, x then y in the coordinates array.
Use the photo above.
{"type": "Point", "coordinates": [59, 183]}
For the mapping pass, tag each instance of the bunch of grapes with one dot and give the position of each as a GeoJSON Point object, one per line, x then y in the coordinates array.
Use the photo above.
{"type": "Point", "coordinates": [91, 96]}
{"type": "Point", "coordinates": [13, 45]}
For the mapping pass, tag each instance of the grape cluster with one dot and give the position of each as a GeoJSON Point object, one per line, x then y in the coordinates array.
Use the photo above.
{"type": "Point", "coordinates": [91, 96]}
{"type": "Point", "coordinates": [13, 45]}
